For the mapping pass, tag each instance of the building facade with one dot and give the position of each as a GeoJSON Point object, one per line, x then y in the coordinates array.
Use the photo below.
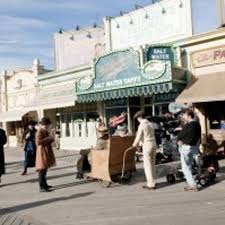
{"type": "Point", "coordinates": [17, 90]}
{"type": "Point", "coordinates": [205, 59]}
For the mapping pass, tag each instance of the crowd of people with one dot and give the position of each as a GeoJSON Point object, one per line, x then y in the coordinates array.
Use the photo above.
{"type": "Point", "coordinates": [39, 153]}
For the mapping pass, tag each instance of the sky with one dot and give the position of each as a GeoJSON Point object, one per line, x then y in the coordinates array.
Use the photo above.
{"type": "Point", "coordinates": [27, 26]}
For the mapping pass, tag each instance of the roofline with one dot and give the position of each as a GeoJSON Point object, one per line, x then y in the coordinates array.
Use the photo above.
{"type": "Point", "coordinates": [202, 38]}
{"type": "Point", "coordinates": [54, 74]}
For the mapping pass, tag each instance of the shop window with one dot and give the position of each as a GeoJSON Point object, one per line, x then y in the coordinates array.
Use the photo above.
{"type": "Point", "coordinates": [91, 124]}
{"type": "Point", "coordinates": [135, 101]}
{"type": "Point", "coordinates": [216, 114]}
{"type": "Point", "coordinates": [78, 125]}
{"type": "Point", "coordinates": [114, 117]}
{"type": "Point", "coordinates": [66, 125]}
{"type": "Point", "coordinates": [148, 111]}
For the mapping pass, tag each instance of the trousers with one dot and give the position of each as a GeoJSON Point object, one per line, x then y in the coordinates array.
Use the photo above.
{"type": "Point", "coordinates": [149, 155]}
{"type": "Point", "coordinates": [42, 179]}
{"type": "Point", "coordinates": [188, 154]}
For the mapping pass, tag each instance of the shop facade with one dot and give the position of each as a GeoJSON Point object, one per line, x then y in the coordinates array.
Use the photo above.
{"type": "Point", "coordinates": [17, 90]}
{"type": "Point", "coordinates": [205, 59]}
{"type": "Point", "coordinates": [128, 80]}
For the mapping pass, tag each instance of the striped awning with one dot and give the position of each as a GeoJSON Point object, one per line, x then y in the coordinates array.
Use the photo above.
{"type": "Point", "coordinates": [52, 98]}
{"type": "Point", "coordinates": [128, 92]}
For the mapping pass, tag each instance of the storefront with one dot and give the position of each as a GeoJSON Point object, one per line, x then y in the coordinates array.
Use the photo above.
{"type": "Point", "coordinates": [73, 124]}
{"type": "Point", "coordinates": [124, 83]}
{"type": "Point", "coordinates": [206, 60]}
{"type": "Point", "coordinates": [17, 89]}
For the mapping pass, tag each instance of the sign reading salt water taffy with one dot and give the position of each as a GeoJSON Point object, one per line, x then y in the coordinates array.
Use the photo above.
{"type": "Point", "coordinates": [121, 69]}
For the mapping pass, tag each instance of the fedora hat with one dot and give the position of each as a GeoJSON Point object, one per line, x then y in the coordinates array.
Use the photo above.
{"type": "Point", "coordinates": [45, 121]}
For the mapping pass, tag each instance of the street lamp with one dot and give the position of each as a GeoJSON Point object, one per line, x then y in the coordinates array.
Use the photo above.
{"type": "Point", "coordinates": [123, 13]}
{"type": "Point", "coordinates": [141, 7]}
{"type": "Point", "coordinates": [61, 31]}
{"type": "Point", "coordinates": [88, 32]}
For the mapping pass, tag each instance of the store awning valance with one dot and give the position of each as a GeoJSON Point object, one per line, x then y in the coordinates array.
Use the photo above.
{"type": "Point", "coordinates": [127, 92]}
{"type": "Point", "coordinates": [12, 115]}
{"type": "Point", "coordinates": [204, 88]}
{"type": "Point", "coordinates": [55, 97]}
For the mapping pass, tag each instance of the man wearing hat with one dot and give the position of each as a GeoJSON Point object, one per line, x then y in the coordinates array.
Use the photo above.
{"type": "Point", "coordinates": [101, 144]}
{"type": "Point", "coordinates": [102, 138]}
{"type": "Point", "coordinates": [45, 156]}
{"type": "Point", "coordinates": [146, 135]}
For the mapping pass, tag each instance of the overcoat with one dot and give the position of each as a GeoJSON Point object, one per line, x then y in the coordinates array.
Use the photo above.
{"type": "Point", "coordinates": [30, 148]}
{"type": "Point", "coordinates": [3, 140]}
{"type": "Point", "coordinates": [44, 156]}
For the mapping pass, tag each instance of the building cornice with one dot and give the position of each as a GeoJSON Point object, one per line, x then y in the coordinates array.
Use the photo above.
{"type": "Point", "coordinates": [202, 38]}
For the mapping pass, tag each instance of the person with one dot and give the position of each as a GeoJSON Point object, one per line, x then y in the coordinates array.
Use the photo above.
{"type": "Point", "coordinates": [45, 156]}
{"type": "Point", "coordinates": [209, 154]}
{"type": "Point", "coordinates": [146, 135]}
{"type": "Point", "coordinates": [188, 140]}
{"type": "Point", "coordinates": [103, 138]}
{"type": "Point", "coordinates": [30, 146]}
{"type": "Point", "coordinates": [3, 141]}
{"type": "Point", "coordinates": [101, 144]}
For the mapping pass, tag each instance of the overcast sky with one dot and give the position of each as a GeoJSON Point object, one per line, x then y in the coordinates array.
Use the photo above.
{"type": "Point", "coordinates": [27, 26]}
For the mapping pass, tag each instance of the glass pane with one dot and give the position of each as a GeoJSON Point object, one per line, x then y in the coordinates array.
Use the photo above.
{"type": "Point", "coordinates": [114, 117]}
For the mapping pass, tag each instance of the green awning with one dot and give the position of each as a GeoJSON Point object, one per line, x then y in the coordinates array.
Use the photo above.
{"type": "Point", "coordinates": [128, 92]}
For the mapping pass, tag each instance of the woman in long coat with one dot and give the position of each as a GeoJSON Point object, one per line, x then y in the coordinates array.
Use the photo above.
{"type": "Point", "coordinates": [45, 156]}
{"type": "Point", "coordinates": [30, 146]}
{"type": "Point", "coordinates": [3, 140]}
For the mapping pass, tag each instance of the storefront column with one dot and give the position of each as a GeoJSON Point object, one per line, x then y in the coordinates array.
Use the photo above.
{"type": "Point", "coordinates": [129, 122]}
{"type": "Point", "coordinates": [40, 113]}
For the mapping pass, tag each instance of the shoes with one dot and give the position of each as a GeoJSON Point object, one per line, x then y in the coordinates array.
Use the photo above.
{"type": "Point", "coordinates": [45, 190]}
{"type": "Point", "coordinates": [191, 189]}
{"type": "Point", "coordinates": [24, 173]}
{"type": "Point", "coordinates": [49, 186]}
{"type": "Point", "coordinates": [148, 188]}
{"type": "Point", "coordinates": [79, 176]}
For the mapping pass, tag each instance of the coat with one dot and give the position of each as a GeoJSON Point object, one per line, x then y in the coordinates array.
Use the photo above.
{"type": "Point", "coordinates": [3, 141]}
{"type": "Point", "coordinates": [44, 156]}
{"type": "Point", "coordinates": [30, 148]}
{"type": "Point", "coordinates": [146, 135]}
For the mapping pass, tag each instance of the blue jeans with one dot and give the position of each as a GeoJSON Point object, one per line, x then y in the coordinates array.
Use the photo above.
{"type": "Point", "coordinates": [187, 154]}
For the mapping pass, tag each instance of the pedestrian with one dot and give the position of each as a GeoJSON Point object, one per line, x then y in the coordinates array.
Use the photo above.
{"type": "Point", "coordinates": [146, 135]}
{"type": "Point", "coordinates": [188, 140]}
{"type": "Point", "coordinates": [3, 141]}
{"type": "Point", "coordinates": [30, 146]}
{"type": "Point", "coordinates": [45, 156]}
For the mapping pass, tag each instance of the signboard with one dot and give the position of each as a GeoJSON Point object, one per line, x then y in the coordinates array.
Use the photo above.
{"type": "Point", "coordinates": [160, 53]}
{"type": "Point", "coordinates": [156, 23]}
{"type": "Point", "coordinates": [208, 57]}
{"type": "Point", "coordinates": [121, 70]}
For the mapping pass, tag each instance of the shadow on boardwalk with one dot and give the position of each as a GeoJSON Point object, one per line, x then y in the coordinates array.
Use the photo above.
{"type": "Point", "coordinates": [22, 207]}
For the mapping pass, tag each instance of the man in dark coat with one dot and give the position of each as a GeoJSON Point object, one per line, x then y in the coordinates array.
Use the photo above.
{"type": "Point", "coordinates": [3, 140]}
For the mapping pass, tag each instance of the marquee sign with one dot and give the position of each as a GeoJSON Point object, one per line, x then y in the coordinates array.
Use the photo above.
{"type": "Point", "coordinates": [119, 70]}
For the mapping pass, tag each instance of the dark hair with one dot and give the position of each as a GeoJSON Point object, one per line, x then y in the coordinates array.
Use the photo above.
{"type": "Point", "coordinates": [32, 122]}
{"type": "Point", "coordinates": [139, 114]}
{"type": "Point", "coordinates": [190, 113]}
{"type": "Point", "coordinates": [45, 121]}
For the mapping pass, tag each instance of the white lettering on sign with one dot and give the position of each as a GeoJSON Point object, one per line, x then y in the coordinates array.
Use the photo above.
{"type": "Point", "coordinates": [118, 83]}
